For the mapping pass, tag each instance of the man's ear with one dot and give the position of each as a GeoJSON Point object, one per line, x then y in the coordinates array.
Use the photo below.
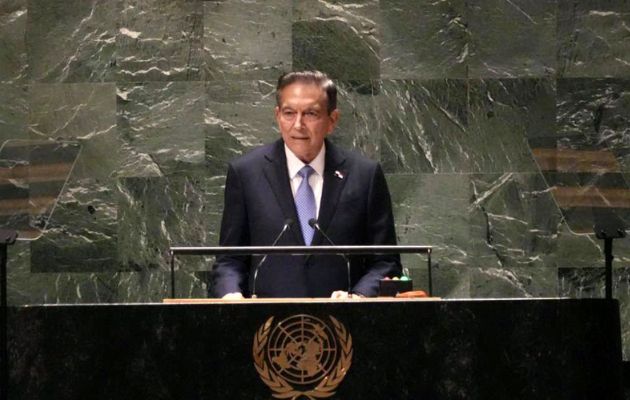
{"type": "Point", "coordinates": [334, 117]}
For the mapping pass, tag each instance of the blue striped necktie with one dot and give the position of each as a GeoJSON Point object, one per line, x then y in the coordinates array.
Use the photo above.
{"type": "Point", "coordinates": [305, 204]}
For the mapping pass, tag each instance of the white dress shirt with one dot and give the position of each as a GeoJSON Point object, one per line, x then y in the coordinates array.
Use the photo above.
{"type": "Point", "coordinates": [316, 180]}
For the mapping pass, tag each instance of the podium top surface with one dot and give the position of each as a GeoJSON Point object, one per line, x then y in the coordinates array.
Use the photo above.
{"type": "Point", "coordinates": [323, 301]}
{"type": "Point", "coordinates": [302, 250]}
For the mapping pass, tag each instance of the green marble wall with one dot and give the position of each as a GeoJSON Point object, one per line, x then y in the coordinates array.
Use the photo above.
{"type": "Point", "coordinates": [450, 96]}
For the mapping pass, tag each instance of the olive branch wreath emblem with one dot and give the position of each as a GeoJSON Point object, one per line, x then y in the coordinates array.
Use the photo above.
{"type": "Point", "coordinates": [281, 387]}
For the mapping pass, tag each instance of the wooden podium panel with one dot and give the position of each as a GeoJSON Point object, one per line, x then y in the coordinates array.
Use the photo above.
{"type": "Point", "coordinates": [368, 349]}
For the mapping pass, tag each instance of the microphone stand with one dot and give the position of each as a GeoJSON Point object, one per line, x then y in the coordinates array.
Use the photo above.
{"type": "Point", "coordinates": [608, 237]}
{"type": "Point", "coordinates": [7, 237]}
{"type": "Point", "coordinates": [608, 226]}
{"type": "Point", "coordinates": [315, 225]}
{"type": "Point", "coordinates": [287, 225]}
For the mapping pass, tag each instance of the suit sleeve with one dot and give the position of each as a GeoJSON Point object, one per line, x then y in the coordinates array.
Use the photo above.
{"type": "Point", "coordinates": [230, 273]}
{"type": "Point", "coordinates": [380, 231]}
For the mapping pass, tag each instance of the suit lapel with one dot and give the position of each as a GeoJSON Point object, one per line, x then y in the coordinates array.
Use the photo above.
{"type": "Point", "coordinates": [278, 177]}
{"type": "Point", "coordinates": [335, 177]}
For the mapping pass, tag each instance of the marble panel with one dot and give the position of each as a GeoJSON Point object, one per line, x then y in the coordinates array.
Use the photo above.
{"type": "Point", "coordinates": [339, 38]}
{"type": "Point", "coordinates": [593, 38]}
{"type": "Point", "coordinates": [154, 286]}
{"type": "Point", "coordinates": [448, 281]}
{"type": "Point", "coordinates": [71, 110]}
{"type": "Point", "coordinates": [594, 114]}
{"type": "Point", "coordinates": [589, 283]}
{"type": "Point", "coordinates": [37, 287]}
{"type": "Point", "coordinates": [81, 112]}
{"type": "Point", "coordinates": [423, 126]}
{"type": "Point", "coordinates": [160, 40]}
{"type": "Point", "coordinates": [504, 114]}
{"type": "Point", "coordinates": [27, 288]}
{"type": "Point", "coordinates": [71, 41]}
{"type": "Point", "coordinates": [13, 15]}
{"type": "Point", "coordinates": [512, 39]}
{"type": "Point", "coordinates": [424, 39]}
{"type": "Point", "coordinates": [514, 282]}
{"type": "Point", "coordinates": [358, 126]}
{"type": "Point", "coordinates": [239, 116]}
{"type": "Point", "coordinates": [13, 112]}
{"type": "Point", "coordinates": [135, 163]}
{"type": "Point", "coordinates": [590, 199]}
{"type": "Point", "coordinates": [578, 250]}
{"type": "Point", "coordinates": [432, 209]}
{"type": "Point", "coordinates": [584, 250]}
{"type": "Point", "coordinates": [19, 291]}
{"type": "Point", "coordinates": [593, 121]}
{"type": "Point", "coordinates": [82, 231]}
{"type": "Point", "coordinates": [156, 213]}
{"type": "Point", "coordinates": [32, 176]}
{"type": "Point", "coordinates": [514, 221]}
{"type": "Point", "coordinates": [621, 291]}
{"type": "Point", "coordinates": [247, 40]}
{"type": "Point", "coordinates": [162, 124]}
{"type": "Point", "coordinates": [62, 288]}
{"type": "Point", "coordinates": [14, 204]}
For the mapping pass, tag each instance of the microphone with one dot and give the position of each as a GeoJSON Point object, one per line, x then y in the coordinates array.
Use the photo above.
{"type": "Point", "coordinates": [287, 225]}
{"type": "Point", "coordinates": [315, 225]}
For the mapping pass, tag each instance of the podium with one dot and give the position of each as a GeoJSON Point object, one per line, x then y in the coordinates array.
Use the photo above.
{"type": "Point", "coordinates": [368, 349]}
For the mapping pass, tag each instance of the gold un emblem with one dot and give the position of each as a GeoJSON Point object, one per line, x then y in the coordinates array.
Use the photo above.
{"type": "Point", "coordinates": [302, 356]}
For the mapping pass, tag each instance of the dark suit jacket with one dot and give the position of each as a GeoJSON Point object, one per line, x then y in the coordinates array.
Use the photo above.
{"type": "Point", "coordinates": [355, 209]}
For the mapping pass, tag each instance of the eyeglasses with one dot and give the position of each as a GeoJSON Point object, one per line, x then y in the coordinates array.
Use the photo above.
{"type": "Point", "coordinates": [289, 115]}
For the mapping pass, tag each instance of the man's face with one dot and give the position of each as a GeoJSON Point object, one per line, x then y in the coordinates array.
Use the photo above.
{"type": "Point", "coordinates": [303, 119]}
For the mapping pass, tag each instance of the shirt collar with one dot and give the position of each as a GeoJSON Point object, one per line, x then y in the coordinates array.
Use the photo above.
{"type": "Point", "coordinates": [294, 164]}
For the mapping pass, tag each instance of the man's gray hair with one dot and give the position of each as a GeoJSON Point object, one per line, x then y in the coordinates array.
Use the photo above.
{"type": "Point", "coordinates": [314, 77]}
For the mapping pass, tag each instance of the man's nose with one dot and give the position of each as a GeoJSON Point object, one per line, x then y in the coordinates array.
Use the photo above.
{"type": "Point", "coordinates": [298, 121]}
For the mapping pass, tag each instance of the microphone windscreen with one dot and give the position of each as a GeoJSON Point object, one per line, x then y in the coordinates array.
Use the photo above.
{"type": "Point", "coordinates": [312, 223]}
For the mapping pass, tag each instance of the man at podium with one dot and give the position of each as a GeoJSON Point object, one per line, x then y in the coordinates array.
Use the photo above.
{"type": "Point", "coordinates": [304, 190]}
